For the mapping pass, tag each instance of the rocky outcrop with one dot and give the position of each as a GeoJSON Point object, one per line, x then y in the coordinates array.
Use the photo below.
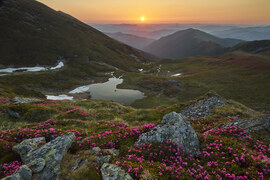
{"type": "Point", "coordinates": [249, 124]}
{"type": "Point", "coordinates": [174, 128]}
{"type": "Point", "coordinates": [46, 159]}
{"type": "Point", "coordinates": [113, 172]}
{"type": "Point", "coordinates": [203, 107]}
{"type": "Point", "coordinates": [24, 100]}
{"type": "Point", "coordinates": [23, 173]}
{"type": "Point", "coordinates": [27, 146]}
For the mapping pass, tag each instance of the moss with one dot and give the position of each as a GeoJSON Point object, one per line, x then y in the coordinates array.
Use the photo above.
{"type": "Point", "coordinates": [142, 116]}
{"type": "Point", "coordinates": [87, 171]}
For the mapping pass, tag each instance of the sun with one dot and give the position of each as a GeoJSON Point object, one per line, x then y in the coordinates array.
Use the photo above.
{"type": "Point", "coordinates": [142, 19]}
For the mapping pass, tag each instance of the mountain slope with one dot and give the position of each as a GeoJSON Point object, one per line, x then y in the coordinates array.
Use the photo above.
{"type": "Point", "coordinates": [190, 42]}
{"type": "Point", "coordinates": [253, 46]}
{"type": "Point", "coordinates": [32, 33]}
{"type": "Point", "coordinates": [131, 40]}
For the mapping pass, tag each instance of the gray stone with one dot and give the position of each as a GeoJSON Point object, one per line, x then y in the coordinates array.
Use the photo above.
{"type": "Point", "coordinates": [37, 165]}
{"type": "Point", "coordinates": [113, 172]}
{"type": "Point", "coordinates": [24, 100]}
{"type": "Point", "coordinates": [203, 107]}
{"type": "Point", "coordinates": [52, 153]}
{"type": "Point", "coordinates": [23, 173]}
{"type": "Point", "coordinates": [100, 160]}
{"type": "Point", "coordinates": [175, 129]}
{"type": "Point", "coordinates": [113, 151]}
{"type": "Point", "coordinates": [13, 114]}
{"type": "Point", "coordinates": [95, 150]}
{"type": "Point", "coordinates": [249, 124]}
{"type": "Point", "coordinates": [78, 163]}
{"type": "Point", "coordinates": [27, 145]}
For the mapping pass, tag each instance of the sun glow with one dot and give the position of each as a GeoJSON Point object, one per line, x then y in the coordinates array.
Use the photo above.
{"type": "Point", "coordinates": [142, 19]}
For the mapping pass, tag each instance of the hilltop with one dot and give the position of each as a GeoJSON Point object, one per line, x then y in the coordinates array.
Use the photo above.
{"type": "Point", "coordinates": [190, 42]}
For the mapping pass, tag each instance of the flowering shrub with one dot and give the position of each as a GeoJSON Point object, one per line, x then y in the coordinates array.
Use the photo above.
{"type": "Point", "coordinates": [224, 154]}
{"type": "Point", "coordinates": [7, 169]}
{"type": "Point", "coordinates": [5, 100]}
{"type": "Point", "coordinates": [77, 113]}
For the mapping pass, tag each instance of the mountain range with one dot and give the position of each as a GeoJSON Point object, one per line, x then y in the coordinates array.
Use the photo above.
{"type": "Point", "coordinates": [190, 42]}
{"type": "Point", "coordinates": [131, 40]}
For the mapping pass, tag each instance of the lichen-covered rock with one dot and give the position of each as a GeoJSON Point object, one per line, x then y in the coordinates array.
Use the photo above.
{"type": "Point", "coordinates": [249, 124]}
{"type": "Point", "coordinates": [203, 107]}
{"type": "Point", "coordinates": [114, 172]}
{"type": "Point", "coordinates": [24, 100]}
{"type": "Point", "coordinates": [23, 173]}
{"type": "Point", "coordinates": [27, 145]}
{"type": "Point", "coordinates": [174, 128]}
{"type": "Point", "coordinates": [37, 165]}
{"type": "Point", "coordinates": [78, 163]}
{"type": "Point", "coordinates": [95, 150]}
{"type": "Point", "coordinates": [113, 151]}
{"type": "Point", "coordinates": [51, 153]}
{"type": "Point", "coordinates": [100, 160]}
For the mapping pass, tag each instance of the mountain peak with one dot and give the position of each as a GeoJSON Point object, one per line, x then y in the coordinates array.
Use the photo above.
{"type": "Point", "coordinates": [190, 42]}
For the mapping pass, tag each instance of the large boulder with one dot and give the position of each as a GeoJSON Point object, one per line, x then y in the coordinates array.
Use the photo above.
{"type": "Point", "coordinates": [203, 107]}
{"type": "Point", "coordinates": [173, 127]}
{"type": "Point", "coordinates": [27, 145]}
{"type": "Point", "coordinates": [113, 172]}
{"type": "Point", "coordinates": [46, 159]}
{"type": "Point", "coordinates": [249, 124]}
{"type": "Point", "coordinates": [23, 173]}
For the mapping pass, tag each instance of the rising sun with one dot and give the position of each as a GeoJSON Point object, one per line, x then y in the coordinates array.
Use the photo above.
{"type": "Point", "coordinates": [142, 18]}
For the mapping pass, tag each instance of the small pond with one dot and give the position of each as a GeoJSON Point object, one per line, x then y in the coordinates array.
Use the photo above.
{"type": "Point", "coordinates": [108, 91]}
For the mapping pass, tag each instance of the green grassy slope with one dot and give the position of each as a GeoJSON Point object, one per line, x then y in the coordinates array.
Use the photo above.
{"type": "Point", "coordinates": [240, 76]}
{"type": "Point", "coordinates": [32, 33]}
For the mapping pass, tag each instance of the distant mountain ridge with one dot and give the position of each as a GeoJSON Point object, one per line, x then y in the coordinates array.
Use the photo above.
{"type": "Point", "coordinates": [253, 46]}
{"type": "Point", "coordinates": [190, 42]}
{"type": "Point", "coordinates": [245, 33]}
{"type": "Point", "coordinates": [131, 40]}
{"type": "Point", "coordinates": [32, 33]}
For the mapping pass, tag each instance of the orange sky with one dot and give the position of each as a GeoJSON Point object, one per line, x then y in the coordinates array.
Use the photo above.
{"type": "Point", "coordinates": [166, 11]}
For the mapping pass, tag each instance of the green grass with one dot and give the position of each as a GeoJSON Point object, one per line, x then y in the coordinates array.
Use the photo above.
{"type": "Point", "coordinates": [239, 76]}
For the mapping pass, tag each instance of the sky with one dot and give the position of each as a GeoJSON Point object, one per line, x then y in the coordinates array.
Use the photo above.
{"type": "Point", "coordinates": [166, 11]}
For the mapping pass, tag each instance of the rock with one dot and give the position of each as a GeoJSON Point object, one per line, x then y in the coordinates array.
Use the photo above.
{"type": "Point", "coordinates": [78, 163]}
{"type": "Point", "coordinates": [203, 107]}
{"type": "Point", "coordinates": [100, 160]}
{"type": "Point", "coordinates": [249, 124]}
{"type": "Point", "coordinates": [24, 100]}
{"type": "Point", "coordinates": [95, 150]}
{"type": "Point", "coordinates": [113, 151]}
{"type": "Point", "coordinates": [13, 114]}
{"type": "Point", "coordinates": [51, 153]}
{"type": "Point", "coordinates": [37, 165]}
{"type": "Point", "coordinates": [174, 128]}
{"type": "Point", "coordinates": [27, 145]}
{"type": "Point", "coordinates": [113, 172]}
{"type": "Point", "coordinates": [23, 173]}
